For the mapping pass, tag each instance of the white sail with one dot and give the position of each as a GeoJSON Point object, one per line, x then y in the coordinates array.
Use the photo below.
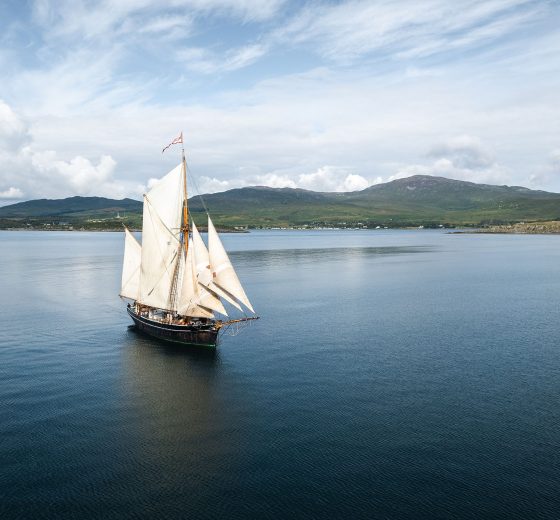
{"type": "Point", "coordinates": [188, 303]}
{"type": "Point", "coordinates": [202, 264]}
{"type": "Point", "coordinates": [210, 300]}
{"type": "Point", "coordinates": [224, 275]}
{"type": "Point", "coordinates": [130, 280]}
{"type": "Point", "coordinates": [201, 258]}
{"type": "Point", "coordinates": [206, 297]}
{"type": "Point", "coordinates": [166, 197]}
{"type": "Point", "coordinates": [160, 239]}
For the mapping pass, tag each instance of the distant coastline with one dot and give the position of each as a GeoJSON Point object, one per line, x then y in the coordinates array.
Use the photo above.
{"type": "Point", "coordinates": [97, 230]}
{"type": "Point", "coordinates": [525, 228]}
{"type": "Point", "coordinates": [413, 202]}
{"type": "Point", "coordinates": [521, 228]}
{"type": "Point", "coordinates": [551, 227]}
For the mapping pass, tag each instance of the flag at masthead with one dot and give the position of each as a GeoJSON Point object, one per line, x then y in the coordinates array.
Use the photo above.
{"type": "Point", "coordinates": [177, 140]}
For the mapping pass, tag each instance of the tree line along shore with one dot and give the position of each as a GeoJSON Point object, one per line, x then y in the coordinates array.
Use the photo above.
{"type": "Point", "coordinates": [522, 228]}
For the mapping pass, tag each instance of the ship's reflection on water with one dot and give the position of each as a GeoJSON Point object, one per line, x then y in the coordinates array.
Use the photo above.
{"type": "Point", "coordinates": [165, 348]}
{"type": "Point", "coordinates": [183, 421]}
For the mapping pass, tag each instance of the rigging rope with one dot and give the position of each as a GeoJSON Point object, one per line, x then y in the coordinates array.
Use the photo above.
{"type": "Point", "coordinates": [190, 173]}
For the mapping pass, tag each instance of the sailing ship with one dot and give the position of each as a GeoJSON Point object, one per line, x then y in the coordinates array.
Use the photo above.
{"type": "Point", "coordinates": [178, 285]}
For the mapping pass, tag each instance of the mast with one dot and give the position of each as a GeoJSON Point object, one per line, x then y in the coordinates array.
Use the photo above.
{"type": "Point", "coordinates": [185, 226]}
{"type": "Point", "coordinates": [174, 289]}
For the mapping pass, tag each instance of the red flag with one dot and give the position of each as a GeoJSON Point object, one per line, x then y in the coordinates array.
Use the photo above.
{"type": "Point", "coordinates": [177, 140]}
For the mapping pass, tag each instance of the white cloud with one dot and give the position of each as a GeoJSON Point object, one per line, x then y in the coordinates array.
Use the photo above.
{"type": "Point", "coordinates": [548, 172]}
{"type": "Point", "coordinates": [42, 173]}
{"type": "Point", "coordinates": [11, 193]}
{"type": "Point", "coordinates": [60, 89]}
{"type": "Point", "coordinates": [14, 131]}
{"type": "Point", "coordinates": [326, 178]}
{"type": "Point", "coordinates": [152, 181]}
{"type": "Point", "coordinates": [405, 28]}
{"type": "Point", "coordinates": [462, 157]}
{"type": "Point", "coordinates": [247, 10]}
{"type": "Point", "coordinates": [354, 182]}
{"type": "Point", "coordinates": [329, 178]}
{"type": "Point", "coordinates": [555, 160]}
{"type": "Point", "coordinates": [274, 180]}
{"type": "Point", "coordinates": [213, 185]}
{"type": "Point", "coordinates": [95, 20]}
{"type": "Point", "coordinates": [79, 174]}
{"type": "Point", "coordinates": [205, 61]}
{"type": "Point", "coordinates": [464, 151]}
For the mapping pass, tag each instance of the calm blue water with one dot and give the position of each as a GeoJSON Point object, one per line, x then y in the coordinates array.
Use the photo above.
{"type": "Point", "coordinates": [394, 374]}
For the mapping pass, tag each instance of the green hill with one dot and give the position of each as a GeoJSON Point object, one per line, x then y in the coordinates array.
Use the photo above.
{"type": "Point", "coordinates": [96, 213]}
{"type": "Point", "coordinates": [72, 205]}
{"type": "Point", "coordinates": [417, 200]}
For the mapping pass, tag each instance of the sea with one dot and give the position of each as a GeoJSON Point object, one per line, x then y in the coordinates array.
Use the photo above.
{"type": "Point", "coordinates": [393, 374]}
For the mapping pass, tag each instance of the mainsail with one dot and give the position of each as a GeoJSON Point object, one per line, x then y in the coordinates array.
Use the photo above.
{"type": "Point", "coordinates": [161, 245]}
{"type": "Point", "coordinates": [130, 280]}
{"type": "Point", "coordinates": [224, 275]}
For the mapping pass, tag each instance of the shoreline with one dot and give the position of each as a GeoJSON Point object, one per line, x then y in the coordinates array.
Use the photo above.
{"type": "Point", "coordinates": [66, 230]}
{"type": "Point", "coordinates": [551, 227]}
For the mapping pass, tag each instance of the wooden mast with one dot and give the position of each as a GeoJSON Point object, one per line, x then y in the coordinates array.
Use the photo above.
{"type": "Point", "coordinates": [173, 292]}
{"type": "Point", "coordinates": [185, 226]}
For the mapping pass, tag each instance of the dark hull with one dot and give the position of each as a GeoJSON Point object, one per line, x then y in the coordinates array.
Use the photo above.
{"type": "Point", "coordinates": [188, 335]}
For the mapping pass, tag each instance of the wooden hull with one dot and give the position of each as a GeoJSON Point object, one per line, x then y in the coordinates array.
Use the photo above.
{"type": "Point", "coordinates": [185, 334]}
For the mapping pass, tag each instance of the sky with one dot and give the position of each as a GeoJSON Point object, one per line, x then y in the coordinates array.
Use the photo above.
{"type": "Point", "coordinates": [322, 95]}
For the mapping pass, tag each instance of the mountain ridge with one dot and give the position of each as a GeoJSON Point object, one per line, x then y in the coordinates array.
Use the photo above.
{"type": "Point", "coordinates": [419, 199]}
{"type": "Point", "coordinates": [54, 207]}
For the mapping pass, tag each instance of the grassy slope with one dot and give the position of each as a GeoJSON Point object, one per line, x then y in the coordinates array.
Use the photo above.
{"type": "Point", "coordinates": [412, 201]}
{"type": "Point", "coordinates": [70, 206]}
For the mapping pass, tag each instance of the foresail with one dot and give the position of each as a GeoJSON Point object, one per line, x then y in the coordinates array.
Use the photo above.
{"type": "Point", "coordinates": [130, 280]}
{"type": "Point", "coordinates": [209, 300]}
{"type": "Point", "coordinates": [224, 276]}
{"type": "Point", "coordinates": [204, 274]}
{"type": "Point", "coordinates": [201, 259]}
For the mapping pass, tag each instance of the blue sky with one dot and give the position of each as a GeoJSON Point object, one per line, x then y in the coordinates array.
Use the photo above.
{"type": "Point", "coordinates": [324, 95]}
